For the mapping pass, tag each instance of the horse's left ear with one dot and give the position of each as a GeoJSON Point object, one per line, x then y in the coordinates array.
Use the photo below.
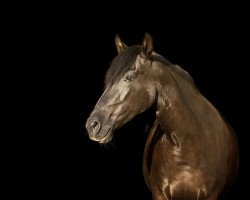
{"type": "Point", "coordinates": [147, 45]}
{"type": "Point", "coordinates": [120, 46]}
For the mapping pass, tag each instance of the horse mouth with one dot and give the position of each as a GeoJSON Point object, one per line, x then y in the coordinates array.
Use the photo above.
{"type": "Point", "coordinates": [107, 138]}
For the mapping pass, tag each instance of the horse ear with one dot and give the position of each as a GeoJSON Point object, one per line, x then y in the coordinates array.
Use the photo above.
{"type": "Point", "coordinates": [147, 45]}
{"type": "Point", "coordinates": [120, 46]}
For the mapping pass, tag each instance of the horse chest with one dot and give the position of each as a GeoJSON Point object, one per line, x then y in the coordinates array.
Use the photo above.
{"type": "Point", "coordinates": [171, 176]}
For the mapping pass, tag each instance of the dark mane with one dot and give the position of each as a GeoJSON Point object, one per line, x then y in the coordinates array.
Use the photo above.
{"type": "Point", "coordinates": [176, 68]}
{"type": "Point", "coordinates": [121, 64]}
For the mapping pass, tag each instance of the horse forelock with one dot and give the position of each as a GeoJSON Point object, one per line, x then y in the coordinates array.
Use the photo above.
{"type": "Point", "coordinates": [121, 64]}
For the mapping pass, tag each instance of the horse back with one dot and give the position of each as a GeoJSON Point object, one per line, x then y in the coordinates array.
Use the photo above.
{"type": "Point", "coordinates": [232, 158]}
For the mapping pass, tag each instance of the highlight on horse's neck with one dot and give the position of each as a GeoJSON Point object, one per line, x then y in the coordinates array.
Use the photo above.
{"type": "Point", "coordinates": [173, 93]}
{"type": "Point", "coordinates": [169, 86]}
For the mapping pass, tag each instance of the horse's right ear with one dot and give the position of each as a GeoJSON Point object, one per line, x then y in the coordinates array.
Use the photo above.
{"type": "Point", "coordinates": [147, 45]}
{"type": "Point", "coordinates": [120, 46]}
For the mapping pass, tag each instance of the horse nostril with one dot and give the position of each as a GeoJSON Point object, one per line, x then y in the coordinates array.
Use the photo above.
{"type": "Point", "coordinates": [95, 127]}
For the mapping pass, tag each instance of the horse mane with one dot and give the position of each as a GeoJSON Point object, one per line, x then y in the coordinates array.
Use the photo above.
{"type": "Point", "coordinates": [124, 61]}
{"type": "Point", "coordinates": [176, 68]}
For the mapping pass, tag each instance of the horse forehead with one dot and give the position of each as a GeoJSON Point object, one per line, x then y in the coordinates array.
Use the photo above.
{"type": "Point", "coordinates": [140, 61]}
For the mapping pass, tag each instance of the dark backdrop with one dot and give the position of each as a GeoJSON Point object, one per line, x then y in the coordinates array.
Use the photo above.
{"type": "Point", "coordinates": [207, 48]}
{"type": "Point", "coordinates": [62, 55]}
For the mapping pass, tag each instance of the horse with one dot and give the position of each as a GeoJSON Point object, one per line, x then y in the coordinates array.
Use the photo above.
{"type": "Point", "coordinates": [191, 152]}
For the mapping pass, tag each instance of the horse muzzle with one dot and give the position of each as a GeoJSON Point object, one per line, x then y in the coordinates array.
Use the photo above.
{"type": "Point", "coordinates": [99, 129]}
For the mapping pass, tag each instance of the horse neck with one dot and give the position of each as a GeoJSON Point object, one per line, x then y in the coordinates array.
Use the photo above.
{"type": "Point", "coordinates": [174, 96]}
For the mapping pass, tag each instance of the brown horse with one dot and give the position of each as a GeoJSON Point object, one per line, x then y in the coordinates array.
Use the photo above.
{"type": "Point", "coordinates": [191, 152]}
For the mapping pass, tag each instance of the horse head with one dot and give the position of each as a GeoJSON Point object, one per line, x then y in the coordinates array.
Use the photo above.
{"type": "Point", "coordinates": [129, 90]}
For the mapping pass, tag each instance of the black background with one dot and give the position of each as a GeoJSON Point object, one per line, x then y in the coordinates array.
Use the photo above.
{"type": "Point", "coordinates": [71, 50]}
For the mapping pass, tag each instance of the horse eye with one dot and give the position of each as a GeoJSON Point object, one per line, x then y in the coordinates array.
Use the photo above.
{"type": "Point", "coordinates": [129, 78]}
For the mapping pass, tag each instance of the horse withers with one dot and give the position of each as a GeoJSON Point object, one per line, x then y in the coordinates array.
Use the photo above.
{"type": "Point", "coordinates": [191, 152]}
